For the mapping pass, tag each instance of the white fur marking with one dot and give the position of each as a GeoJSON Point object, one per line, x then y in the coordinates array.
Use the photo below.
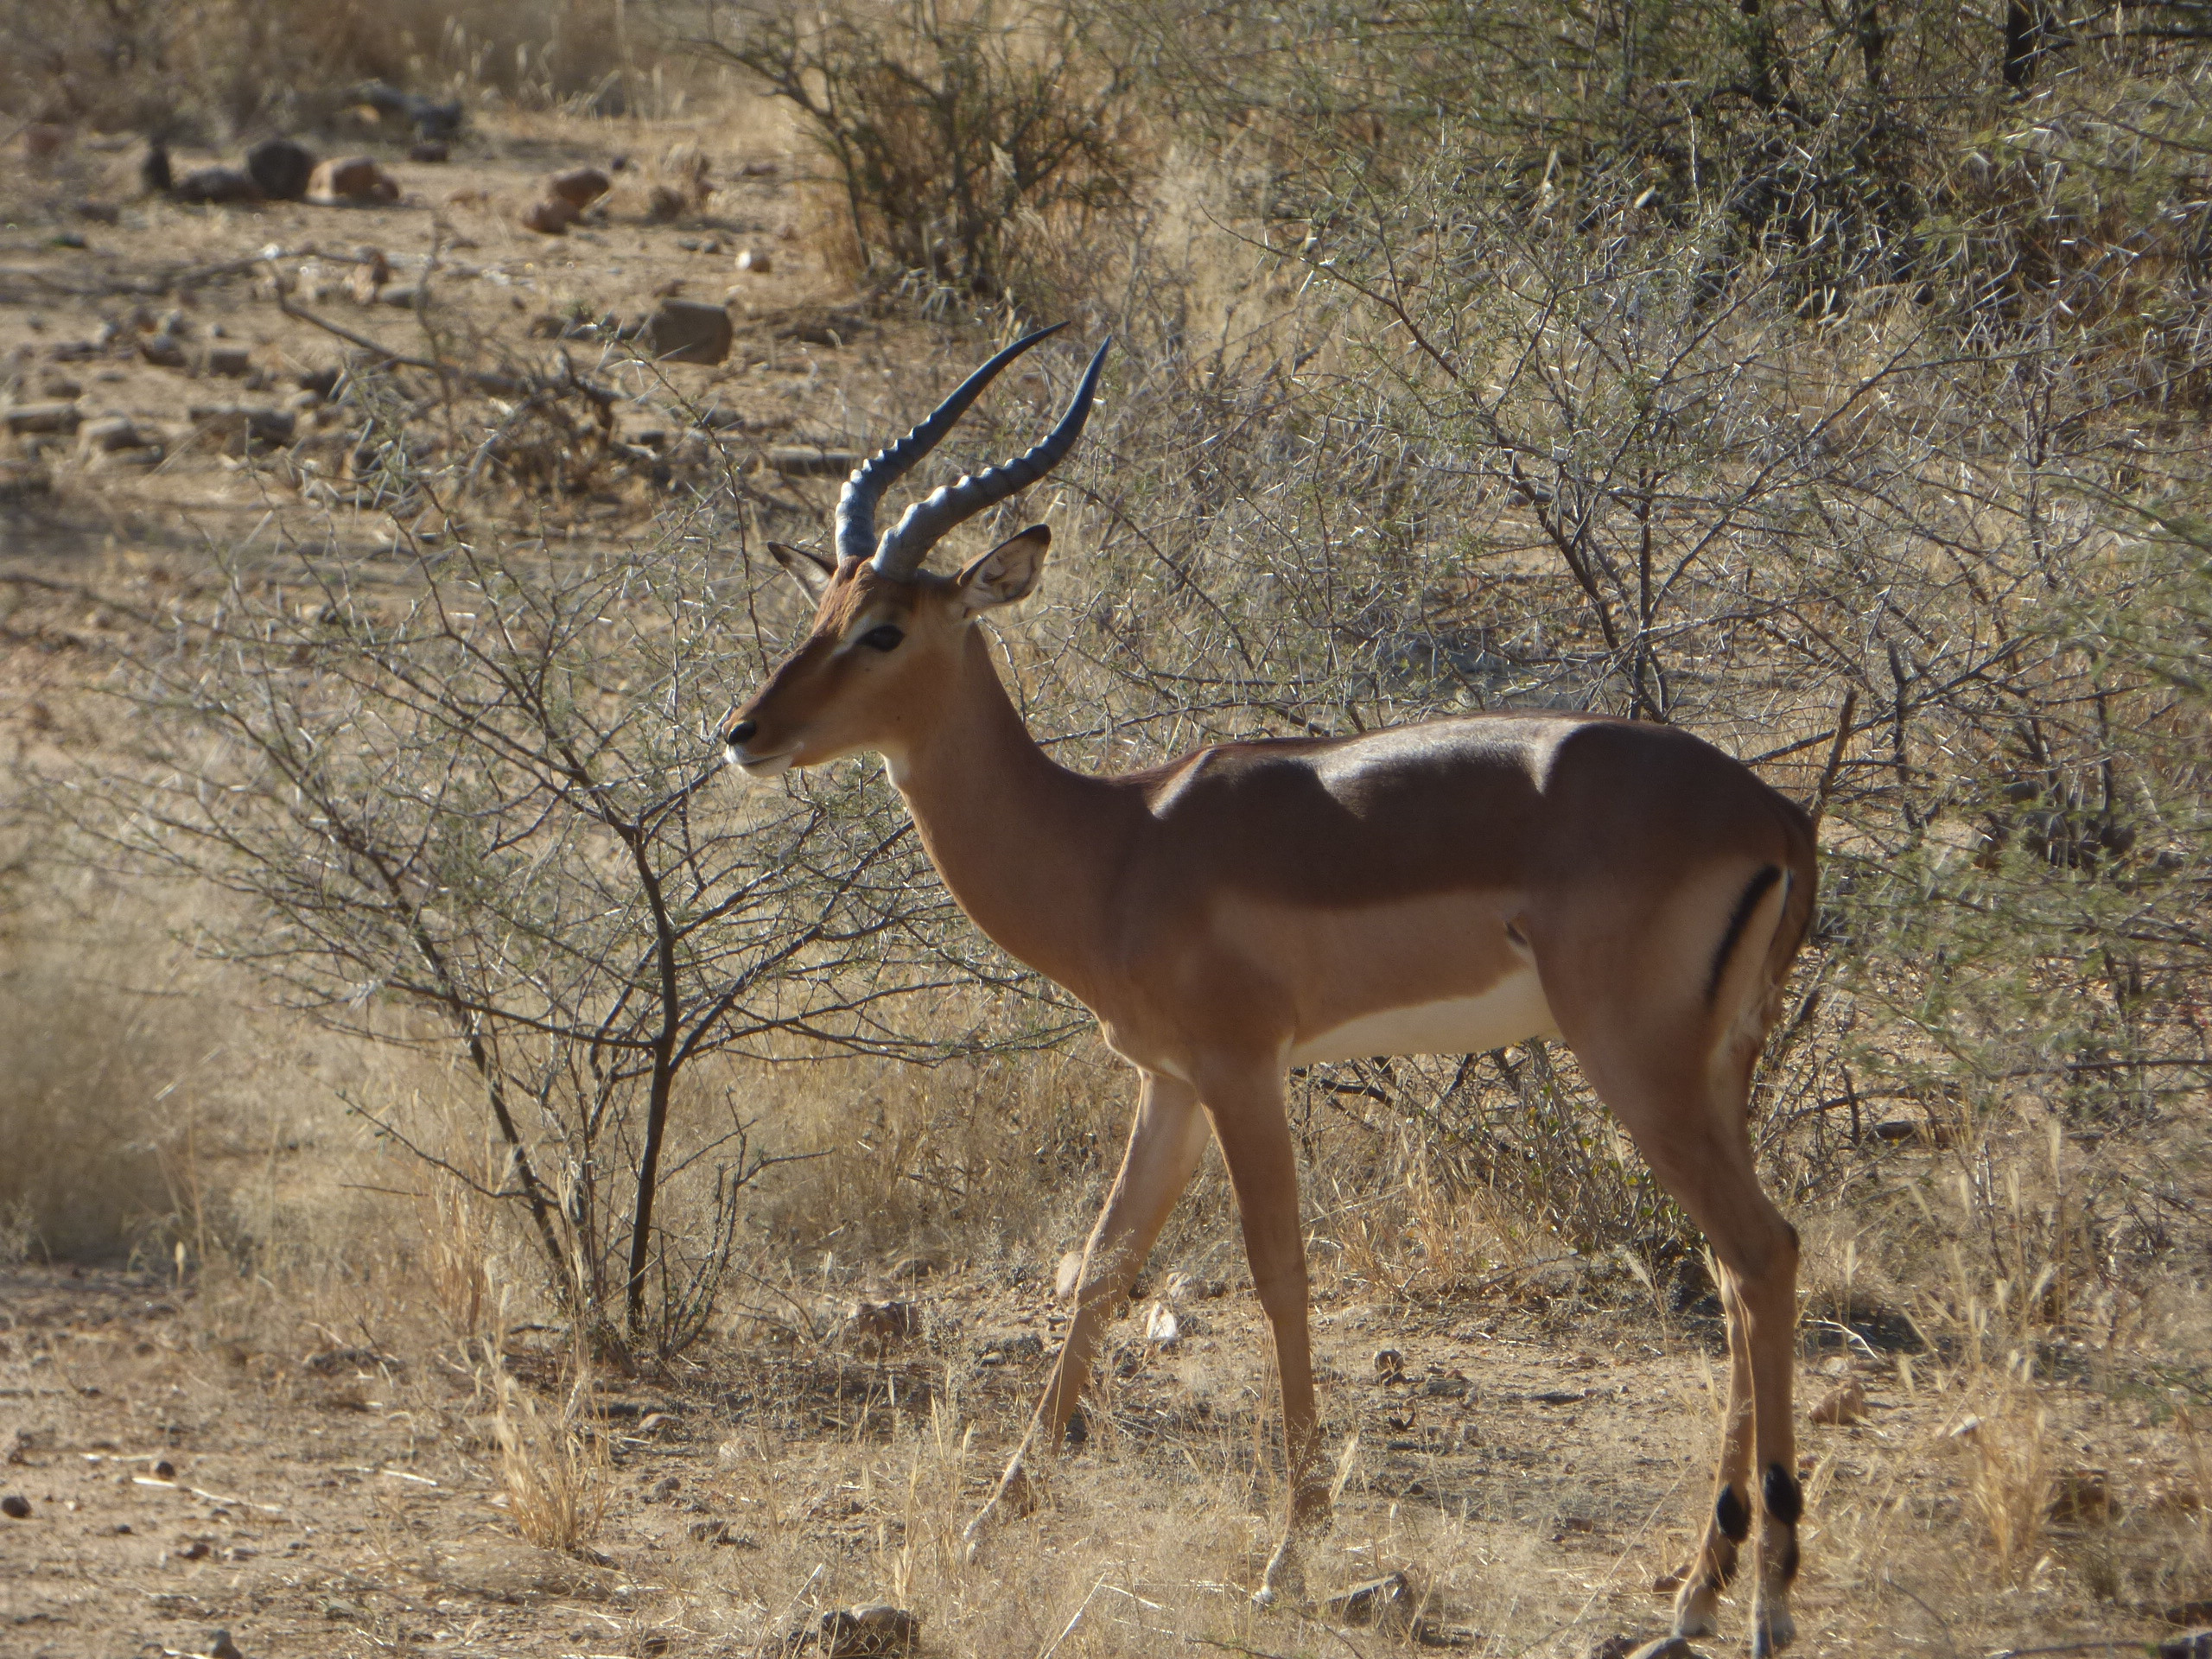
{"type": "Point", "coordinates": [1510, 1011]}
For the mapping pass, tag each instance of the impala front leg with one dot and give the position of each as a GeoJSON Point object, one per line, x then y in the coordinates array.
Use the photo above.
{"type": "Point", "coordinates": [1165, 1146]}
{"type": "Point", "coordinates": [1250, 1121]}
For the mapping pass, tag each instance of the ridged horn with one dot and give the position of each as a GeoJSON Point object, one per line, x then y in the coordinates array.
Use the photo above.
{"type": "Point", "coordinates": [908, 542]}
{"type": "Point", "coordinates": [856, 503]}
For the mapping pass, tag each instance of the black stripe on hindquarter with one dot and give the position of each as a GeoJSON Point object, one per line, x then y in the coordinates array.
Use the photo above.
{"type": "Point", "coordinates": [1766, 878]}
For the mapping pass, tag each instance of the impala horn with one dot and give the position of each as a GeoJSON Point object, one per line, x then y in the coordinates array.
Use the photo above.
{"type": "Point", "coordinates": [907, 542]}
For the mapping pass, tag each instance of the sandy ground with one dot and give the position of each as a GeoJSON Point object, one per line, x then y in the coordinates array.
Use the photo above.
{"type": "Point", "coordinates": [1533, 1472]}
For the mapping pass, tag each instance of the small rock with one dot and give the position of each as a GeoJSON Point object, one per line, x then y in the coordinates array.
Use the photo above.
{"type": "Point", "coordinates": [16, 1506]}
{"type": "Point", "coordinates": [1967, 1430]}
{"type": "Point", "coordinates": [371, 271]}
{"type": "Point", "coordinates": [1667, 1647]}
{"type": "Point", "coordinates": [163, 351]}
{"type": "Point", "coordinates": [429, 153]}
{"type": "Point", "coordinates": [2197, 1644]}
{"type": "Point", "coordinates": [1067, 1277]}
{"type": "Point", "coordinates": [804, 461]}
{"type": "Point", "coordinates": [108, 434]}
{"type": "Point", "coordinates": [164, 1469]}
{"type": "Point", "coordinates": [1385, 1603]}
{"type": "Point", "coordinates": [230, 362]}
{"type": "Point", "coordinates": [407, 296]}
{"type": "Point", "coordinates": [243, 426]}
{"type": "Point", "coordinates": [687, 331]}
{"type": "Point", "coordinates": [281, 167]}
{"type": "Point", "coordinates": [323, 382]}
{"type": "Point", "coordinates": [759, 261]}
{"type": "Point", "coordinates": [1667, 1583]}
{"type": "Point", "coordinates": [356, 181]}
{"type": "Point", "coordinates": [99, 212]}
{"type": "Point", "coordinates": [216, 185]}
{"type": "Point", "coordinates": [757, 170]}
{"type": "Point", "coordinates": [220, 1646]}
{"type": "Point", "coordinates": [1389, 1365]}
{"type": "Point", "coordinates": [662, 204]}
{"type": "Point", "coordinates": [1611, 1647]}
{"type": "Point", "coordinates": [25, 419]}
{"type": "Point", "coordinates": [550, 217]}
{"type": "Point", "coordinates": [856, 1633]}
{"type": "Point", "coordinates": [2080, 1496]}
{"type": "Point", "coordinates": [59, 385]}
{"type": "Point", "coordinates": [999, 1350]}
{"type": "Point", "coordinates": [578, 186]}
{"type": "Point", "coordinates": [1847, 1405]}
{"type": "Point", "coordinates": [1161, 1326]}
{"type": "Point", "coordinates": [882, 1324]}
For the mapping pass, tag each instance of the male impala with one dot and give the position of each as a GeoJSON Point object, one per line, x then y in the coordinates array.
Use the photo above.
{"type": "Point", "coordinates": [1451, 887]}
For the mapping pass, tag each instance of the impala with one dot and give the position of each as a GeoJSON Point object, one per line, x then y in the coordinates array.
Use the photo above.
{"type": "Point", "coordinates": [1452, 887]}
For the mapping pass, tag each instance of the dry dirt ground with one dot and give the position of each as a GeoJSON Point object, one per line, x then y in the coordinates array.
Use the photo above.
{"type": "Point", "coordinates": [1534, 1470]}
{"type": "Point", "coordinates": [333, 1488]}
{"type": "Point", "coordinates": [116, 303]}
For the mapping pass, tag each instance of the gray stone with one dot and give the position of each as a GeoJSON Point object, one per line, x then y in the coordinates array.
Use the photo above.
{"type": "Point", "coordinates": [687, 331]}
{"type": "Point", "coordinates": [230, 362]}
{"type": "Point", "coordinates": [108, 434]}
{"type": "Point", "coordinates": [805, 461]}
{"type": "Point", "coordinates": [25, 419]}
{"type": "Point", "coordinates": [281, 167]}
{"type": "Point", "coordinates": [241, 426]}
{"type": "Point", "coordinates": [163, 351]}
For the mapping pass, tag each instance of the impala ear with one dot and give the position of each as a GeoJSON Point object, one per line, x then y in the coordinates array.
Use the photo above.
{"type": "Point", "coordinates": [1007, 572]}
{"type": "Point", "coordinates": [807, 567]}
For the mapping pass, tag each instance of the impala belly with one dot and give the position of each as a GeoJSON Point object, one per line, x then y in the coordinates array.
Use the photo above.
{"type": "Point", "coordinates": [1444, 973]}
{"type": "Point", "coordinates": [1510, 1011]}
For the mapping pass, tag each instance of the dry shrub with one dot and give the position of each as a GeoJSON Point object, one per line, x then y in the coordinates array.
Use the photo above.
{"type": "Point", "coordinates": [100, 1108]}
{"type": "Point", "coordinates": [553, 1470]}
{"type": "Point", "coordinates": [959, 133]}
{"type": "Point", "coordinates": [459, 1235]}
{"type": "Point", "coordinates": [228, 66]}
{"type": "Point", "coordinates": [2012, 1477]}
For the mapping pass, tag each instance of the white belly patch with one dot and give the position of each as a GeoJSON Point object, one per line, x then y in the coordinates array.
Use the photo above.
{"type": "Point", "coordinates": [1511, 1011]}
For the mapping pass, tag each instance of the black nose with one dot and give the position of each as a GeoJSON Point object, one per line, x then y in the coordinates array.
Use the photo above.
{"type": "Point", "coordinates": [742, 732]}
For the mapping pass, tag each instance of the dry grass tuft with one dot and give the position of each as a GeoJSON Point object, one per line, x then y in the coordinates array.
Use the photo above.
{"type": "Point", "coordinates": [2013, 1481]}
{"type": "Point", "coordinates": [554, 1470]}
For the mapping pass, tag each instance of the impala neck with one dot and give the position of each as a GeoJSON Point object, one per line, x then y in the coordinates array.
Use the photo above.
{"type": "Point", "coordinates": [1022, 842]}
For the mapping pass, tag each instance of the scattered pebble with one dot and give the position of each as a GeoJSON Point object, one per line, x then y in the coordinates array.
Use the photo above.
{"type": "Point", "coordinates": [25, 419]}
{"type": "Point", "coordinates": [759, 261]}
{"type": "Point", "coordinates": [550, 217]}
{"type": "Point", "coordinates": [16, 1506]}
{"type": "Point", "coordinates": [687, 331]}
{"type": "Point", "coordinates": [578, 186]}
{"type": "Point", "coordinates": [356, 181]}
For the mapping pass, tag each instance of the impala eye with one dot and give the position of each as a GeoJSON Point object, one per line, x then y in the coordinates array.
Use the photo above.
{"type": "Point", "coordinates": [883, 636]}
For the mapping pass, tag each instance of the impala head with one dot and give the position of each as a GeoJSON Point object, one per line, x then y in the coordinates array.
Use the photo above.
{"type": "Point", "coordinates": [887, 634]}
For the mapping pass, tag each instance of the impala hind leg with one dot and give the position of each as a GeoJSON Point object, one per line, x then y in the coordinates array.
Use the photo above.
{"type": "Point", "coordinates": [1254, 1130]}
{"type": "Point", "coordinates": [1728, 1528]}
{"type": "Point", "coordinates": [1711, 1177]}
{"type": "Point", "coordinates": [1692, 1129]}
{"type": "Point", "coordinates": [1166, 1142]}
